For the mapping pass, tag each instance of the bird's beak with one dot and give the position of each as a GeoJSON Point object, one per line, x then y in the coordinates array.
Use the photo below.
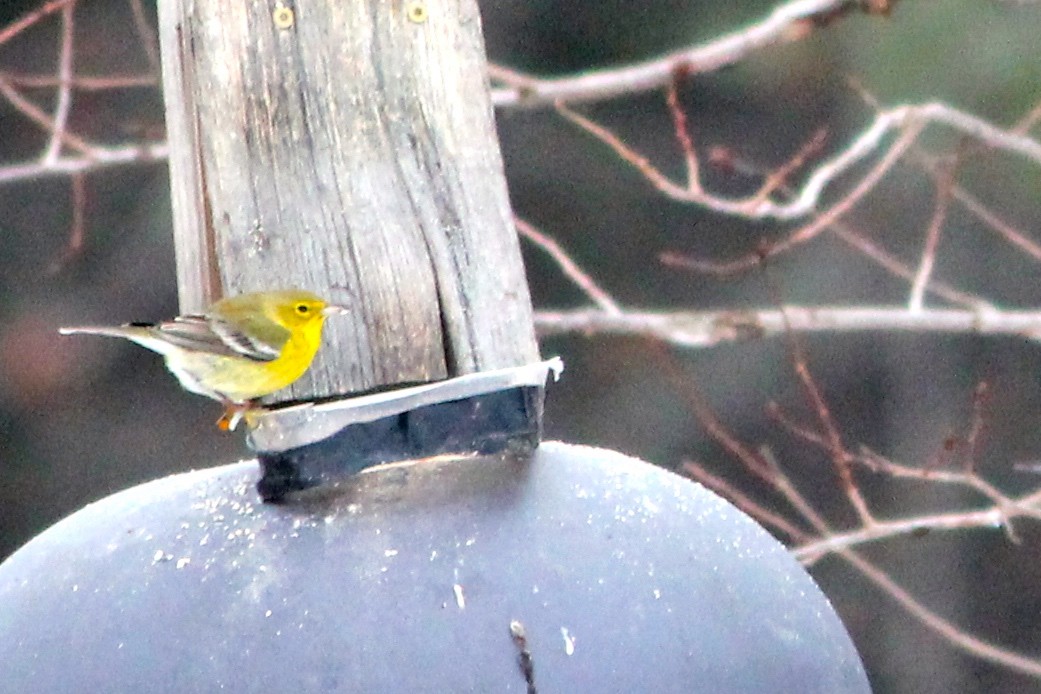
{"type": "Point", "coordinates": [333, 310]}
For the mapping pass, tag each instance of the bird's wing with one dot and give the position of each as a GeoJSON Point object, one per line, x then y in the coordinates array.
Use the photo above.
{"type": "Point", "coordinates": [218, 336]}
{"type": "Point", "coordinates": [258, 339]}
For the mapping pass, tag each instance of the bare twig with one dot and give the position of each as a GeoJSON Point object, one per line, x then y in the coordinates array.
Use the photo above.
{"type": "Point", "coordinates": [944, 183]}
{"type": "Point", "coordinates": [949, 631]}
{"type": "Point", "coordinates": [97, 159]}
{"type": "Point", "coordinates": [77, 230]}
{"type": "Point", "coordinates": [36, 115]}
{"type": "Point", "coordinates": [569, 267]}
{"type": "Point", "coordinates": [852, 237]}
{"type": "Point", "coordinates": [753, 461]}
{"type": "Point", "coordinates": [146, 36]}
{"type": "Point", "coordinates": [820, 222]}
{"type": "Point", "coordinates": [960, 478]}
{"type": "Point", "coordinates": [54, 159]}
{"type": "Point", "coordinates": [830, 435]}
{"type": "Point", "coordinates": [988, 519]}
{"type": "Point", "coordinates": [778, 178]}
{"type": "Point", "coordinates": [20, 25]}
{"type": "Point", "coordinates": [791, 21]}
{"type": "Point", "coordinates": [83, 83]}
{"type": "Point", "coordinates": [682, 132]}
{"type": "Point", "coordinates": [700, 329]}
{"type": "Point", "coordinates": [1014, 236]}
{"type": "Point", "coordinates": [908, 121]}
{"type": "Point", "coordinates": [873, 530]}
{"type": "Point", "coordinates": [64, 102]}
{"type": "Point", "coordinates": [858, 240]}
{"type": "Point", "coordinates": [747, 504]}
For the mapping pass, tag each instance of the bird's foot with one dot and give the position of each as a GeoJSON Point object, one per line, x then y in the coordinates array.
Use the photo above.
{"type": "Point", "coordinates": [233, 414]}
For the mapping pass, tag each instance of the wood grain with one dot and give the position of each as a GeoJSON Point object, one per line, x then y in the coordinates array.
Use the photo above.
{"type": "Point", "coordinates": [347, 148]}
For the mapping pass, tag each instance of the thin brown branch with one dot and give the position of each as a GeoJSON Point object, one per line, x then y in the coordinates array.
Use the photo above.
{"type": "Point", "coordinates": [908, 121]}
{"type": "Point", "coordinates": [858, 241]}
{"type": "Point", "coordinates": [759, 463]}
{"type": "Point", "coordinates": [746, 503]}
{"type": "Point", "coordinates": [148, 38]}
{"type": "Point", "coordinates": [945, 180]}
{"type": "Point", "coordinates": [978, 425]}
{"type": "Point", "coordinates": [1016, 237]}
{"type": "Point", "coordinates": [809, 231]}
{"type": "Point", "coordinates": [64, 100]}
{"type": "Point", "coordinates": [568, 266]}
{"type": "Point", "coordinates": [682, 132]}
{"type": "Point", "coordinates": [840, 457]}
{"type": "Point", "coordinates": [959, 478]}
{"type": "Point", "coordinates": [791, 493]}
{"type": "Point", "coordinates": [962, 450]}
{"type": "Point", "coordinates": [83, 83]}
{"type": "Point", "coordinates": [778, 414]}
{"type": "Point", "coordinates": [706, 416]}
{"type": "Point", "coordinates": [952, 633]}
{"type": "Point", "coordinates": [878, 255]}
{"type": "Point", "coordinates": [777, 179]}
{"type": "Point", "coordinates": [36, 115]}
{"type": "Point", "coordinates": [77, 229]}
{"type": "Point", "coordinates": [31, 18]}
{"type": "Point", "coordinates": [840, 544]}
{"type": "Point", "coordinates": [627, 154]}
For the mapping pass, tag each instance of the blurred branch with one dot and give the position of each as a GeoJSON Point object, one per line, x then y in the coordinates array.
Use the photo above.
{"type": "Point", "coordinates": [83, 83]}
{"type": "Point", "coordinates": [989, 518]}
{"type": "Point", "coordinates": [1001, 514]}
{"type": "Point", "coordinates": [147, 36]}
{"type": "Point", "coordinates": [97, 158]}
{"type": "Point", "coordinates": [55, 126]}
{"type": "Point", "coordinates": [1016, 237]}
{"type": "Point", "coordinates": [841, 543]}
{"type": "Point", "coordinates": [828, 437]}
{"type": "Point", "coordinates": [569, 267]}
{"type": "Point", "coordinates": [89, 156]}
{"type": "Point", "coordinates": [78, 227]}
{"type": "Point", "coordinates": [64, 102]}
{"type": "Point", "coordinates": [945, 182]}
{"type": "Point", "coordinates": [949, 631]}
{"type": "Point", "coordinates": [792, 21]}
{"type": "Point", "coordinates": [18, 26]}
{"type": "Point", "coordinates": [710, 328]}
{"type": "Point", "coordinates": [907, 120]}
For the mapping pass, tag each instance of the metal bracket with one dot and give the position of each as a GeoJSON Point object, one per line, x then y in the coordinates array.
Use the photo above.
{"type": "Point", "coordinates": [315, 444]}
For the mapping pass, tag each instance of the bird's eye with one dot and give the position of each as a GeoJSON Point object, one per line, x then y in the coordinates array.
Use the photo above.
{"type": "Point", "coordinates": [303, 309]}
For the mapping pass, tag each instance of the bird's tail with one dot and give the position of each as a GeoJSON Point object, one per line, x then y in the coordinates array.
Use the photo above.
{"type": "Point", "coordinates": [141, 333]}
{"type": "Point", "coordinates": [124, 331]}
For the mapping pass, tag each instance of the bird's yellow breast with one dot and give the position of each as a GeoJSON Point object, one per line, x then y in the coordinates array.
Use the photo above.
{"type": "Point", "coordinates": [240, 379]}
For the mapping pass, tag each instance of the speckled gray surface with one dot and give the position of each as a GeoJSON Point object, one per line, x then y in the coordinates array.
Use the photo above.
{"type": "Point", "coordinates": [625, 577]}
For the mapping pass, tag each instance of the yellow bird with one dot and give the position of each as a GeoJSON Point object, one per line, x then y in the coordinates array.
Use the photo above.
{"type": "Point", "coordinates": [242, 348]}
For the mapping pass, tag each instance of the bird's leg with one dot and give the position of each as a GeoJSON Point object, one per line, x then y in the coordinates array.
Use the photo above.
{"type": "Point", "coordinates": [233, 413]}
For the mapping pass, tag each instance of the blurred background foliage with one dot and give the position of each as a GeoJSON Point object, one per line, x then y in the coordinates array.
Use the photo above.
{"type": "Point", "coordinates": [81, 418]}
